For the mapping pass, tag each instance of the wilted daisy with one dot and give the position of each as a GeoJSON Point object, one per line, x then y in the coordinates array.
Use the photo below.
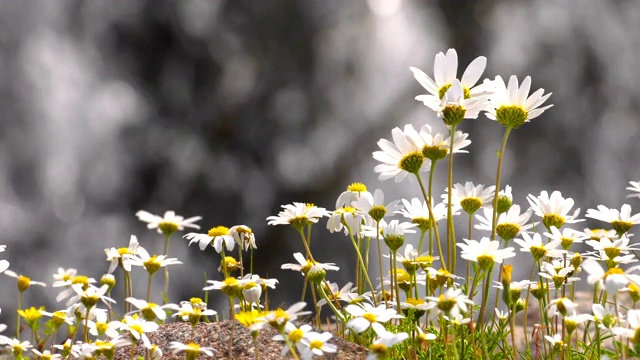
{"type": "Point", "coordinates": [243, 236]}
{"type": "Point", "coordinates": [554, 209]}
{"type": "Point", "coordinates": [192, 350]}
{"type": "Point", "coordinates": [621, 220]}
{"type": "Point", "coordinates": [216, 236]}
{"type": "Point", "coordinates": [470, 198]}
{"type": "Point", "coordinates": [567, 237]}
{"type": "Point", "coordinates": [169, 223]}
{"type": "Point", "coordinates": [485, 252]}
{"type": "Point", "coordinates": [510, 223]}
{"type": "Point", "coordinates": [533, 244]}
{"type": "Point", "coordinates": [399, 158]}
{"type": "Point", "coordinates": [298, 215]}
{"type": "Point", "coordinates": [366, 315]}
{"type": "Point", "coordinates": [634, 188]}
{"type": "Point", "coordinates": [445, 71]}
{"type": "Point", "coordinates": [511, 104]}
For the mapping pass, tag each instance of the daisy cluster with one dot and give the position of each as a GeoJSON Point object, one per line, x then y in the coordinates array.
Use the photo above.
{"type": "Point", "coordinates": [420, 289]}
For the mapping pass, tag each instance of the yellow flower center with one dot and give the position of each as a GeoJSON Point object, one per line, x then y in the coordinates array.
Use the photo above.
{"type": "Point", "coordinates": [423, 223]}
{"type": "Point", "coordinates": [80, 279]}
{"type": "Point", "coordinates": [357, 187]}
{"type": "Point", "coordinates": [415, 302]}
{"type": "Point", "coordinates": [380, 349]}
{"type": "Point", "coordinates": [370, 317]}
{"type": "Point", "coordinates": [218, 231]}
{"type": "Point", "coordinates": [553, 220]}
{"type": "Point", "coordinates": [23, 283]}
{"type": "Point", "coordinates": [613, 271]}
{"type": "Point", "coordinates": [296, 335]}
{"type": "Point", "coordinates": [152, 265]}
{"type": "Point", "coordinates": [137, 328]}
{"type": "Point", "coordinates": [316, 344]}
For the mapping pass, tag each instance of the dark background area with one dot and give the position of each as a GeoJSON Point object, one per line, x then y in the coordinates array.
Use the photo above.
{"type": "Point", "coordinates": [228, 109]}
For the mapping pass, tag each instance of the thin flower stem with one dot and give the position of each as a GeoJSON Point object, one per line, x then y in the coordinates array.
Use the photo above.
{"type": "Point", "coordinates": [512, 327]}
{"type": "Point", "coordinates": [149, 286]}
{"type": "Point", "coordinates": [485, 298]}
{"type": "Point", "coordinates": [165, 295]}
{"type": "Point", "coordinates": [338, 313]}
{"type": "Point", "coordinates": [240, 259]}
{"type": "Point", "coordinates": [18, 317]}
{"type": "Point", "coordinates": [315, 305]}
{"type": "Point", "coordinates": [366, 276]}
{"type": "Point", "coordinates": [526, 307]}
{"type": "Point", "coordinates": [288, 342]}
{"type": "Point", "coordinates": [251, 261]}
{"type": "Point", "coordinates": [128, 290]}
{"type": "Point", "coordinates": [495, 197]}
{"type": "Point", "coordinates": [451, 235]}
{"type": "Point", "coordinates": [395, 275]}
{"type": "Point", "coordinates": [433, 222]}
{"type": "Point", "coordinates": [384, 297]}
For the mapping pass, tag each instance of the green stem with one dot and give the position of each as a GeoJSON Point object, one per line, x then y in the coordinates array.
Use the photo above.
{"type": "Point", "coordinates": [485, 298]}
{"type": "Point", "coordinates": [451, 235]}
{"type": "Point", "coordinates": [362, 266]}
{"type": "Point", "coordinates": [433, 221]}
{"type": "Point", "coordinates": [166, 270]}
{"type": "Point", "coordinates": [432, 224]}
{"type": "Point", "coordinates": [384, 297]}
{"type": "Point", "coordinates": [498, 174]}
{"type": "Point", "coordinates": [149, 286]}
{"type": "Point", "coordinates": [18, 317]}
{"type": "Point", "coordinates": [395, 276]}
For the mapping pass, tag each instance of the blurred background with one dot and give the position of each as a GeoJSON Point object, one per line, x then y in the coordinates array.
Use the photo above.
{"type": "Point", "coordinates": [229, 109]}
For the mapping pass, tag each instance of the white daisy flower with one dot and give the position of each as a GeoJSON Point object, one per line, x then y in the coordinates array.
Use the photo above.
{"type": "Point", "coordinates": [149, 310]}
{"type": "Point", "coordinates": [556, 341]}
{"type": "Point", "coordinates": [445, 71]}
{"type": "Point", "coordinates": [558, 272]}
{"type": "Point", "coordinates": [452, 302]}
{"type": "Point", "coordinates": [314, 343]}
{"type": "Point", "coordinates": [436, 146]}
{"type": "Point", "coordinates": [634, 188]}
{"type": "Point", "coordinates": [216, 236]}
{"type": "Point", "coordinates": [17, 347]}
{"type": "Point", "coordinates": [169, 223]}
{"type": "Point", "coordinates": [379, 349]}
{"type": "Point", "coordinates": [373, 205]}
{"type": "Point", "coordinates": [191, 312]}
{"type": "Point", "coordinates": [89, 297]}
{"type": "Point", "coordinates": [511, 104]}
{"type": "Point", "coordinates": [510, 223]}
{"type": "Point", "coordinates": [138, 328]}
{"type": "Point", "coordinates": [567, 237]}
{"type": "Point", "coordinates": [554, 209]}
{"type": "Point", "coordinates": [23, 282]}
{"type": "Point", "coordinates": [537, 249]}
{"type": "Point", "coordinates": [298, 215]}
{"type": "Point", "coordinates": [120, 256]}
{"type": "Point", "coordinates": [621, 220]}
{"type": "Point", "coordinates": [353, 192]}
{"type": "Point", "coordinates": [606, 317]}
{"type": "Point", "coordinates": [151, 263]}
{"type": "Point", "coordinates": [349, 216]}
{"type": "Point", "coordinates": [46, 355]}
{"type": "Point", "coordinates": [279, 318]}
{"type": "Point", "coordinates": [418, 211]}
{"type": "Point", "coordinates": [470, 198]}
{"type": "Point", "coordinates": [100, 326]}
{"type": "Point", "coordinates": [562, 306]}
{"type": "Point", "coordinates": [597, 234]}
{"type": "Point", "coordinates": [304, 265]}
{"type": "Point", "coordinates": [633, 320]}
{"type": "Point", "coordinates": [485, 252]}
{"type": "Point", "coordinates": [400, 157]}
{"type": "Point", "coordinates": [366, 315]}
{"type": "Point", "coordinates": [613, 279]}
{"type": "Point", "coordinates": [610, 248]}
{"type": "Point", "coordinates": [191, 349]}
